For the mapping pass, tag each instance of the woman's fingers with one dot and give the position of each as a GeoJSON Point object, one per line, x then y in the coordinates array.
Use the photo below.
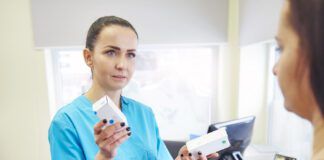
{"type": "Point", "coordinates": [184, 153]}
{"type": "Point", "coordinates": [190, 156]}
{"type": "Point", "coordinates": [98, 127]}
{"type": "Point", "coordinates": [186, 156]}
{"type": "Point", "coordinates": [120, 140]}
{"type": "Point", "coordinates": [117, 135]}
{"type": "Point", "coordinates": [111, 132]}
{"type": "Point", "coordinates": [104, 133]}
{"type": "Point", "coordinates": [119, 126]}
{"type": "Point", "coordinates": [213, 155]}
{"type": "Point", "coordinates": [108, 138]}
{"type": "Point", "coordinates": [114, 141]}
{"type": "Point", "coordinates": [201, 156]}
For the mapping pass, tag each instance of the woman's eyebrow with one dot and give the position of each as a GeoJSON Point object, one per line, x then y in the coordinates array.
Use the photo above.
{"type": "Point", "coordinates": [131, 50]}
{"type": "Point", "coordinates": [117, 48]}
{"type": "Point", "coordinates": [113, 47]}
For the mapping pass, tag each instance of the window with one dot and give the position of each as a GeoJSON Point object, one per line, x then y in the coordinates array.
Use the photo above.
{"type": "Point", "coordinates": [68, 76]}
{"type": "Point", "coordinates": [175, 81]}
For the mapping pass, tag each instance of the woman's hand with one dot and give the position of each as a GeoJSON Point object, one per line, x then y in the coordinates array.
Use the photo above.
{"type": "Point", "coordinates": [109, 138]}
{"type": "Point", "coordinates": [185, 155]}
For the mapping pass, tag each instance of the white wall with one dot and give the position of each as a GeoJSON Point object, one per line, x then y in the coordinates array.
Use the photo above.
{"type": "Point", "coordinates": [24, 113]}
{"type": "Point", "coordinates": [258, 20]}
{"type": "Point", "coordinates": [65, 23]}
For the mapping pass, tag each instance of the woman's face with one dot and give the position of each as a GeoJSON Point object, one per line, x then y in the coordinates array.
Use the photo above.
{"type": "Point", "coordinates": [292, 72]}
{"type": "Point", "coordinates": [113, 57]}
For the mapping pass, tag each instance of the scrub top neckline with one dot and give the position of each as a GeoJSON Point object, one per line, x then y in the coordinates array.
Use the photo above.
{"type": "Point", "coordinates": [85, 100]}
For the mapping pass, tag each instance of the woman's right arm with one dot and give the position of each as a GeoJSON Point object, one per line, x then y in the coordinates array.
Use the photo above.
{"type": "Point", "coordinates": [110, 138]}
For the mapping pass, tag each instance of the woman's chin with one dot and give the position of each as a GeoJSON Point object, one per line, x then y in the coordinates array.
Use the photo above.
{"type": "Point", "coordinates": [294, 109]}
{"type": "Point", "coordinates": [118, 86]}
{"type": "Point", "coordinates": [288, 106]}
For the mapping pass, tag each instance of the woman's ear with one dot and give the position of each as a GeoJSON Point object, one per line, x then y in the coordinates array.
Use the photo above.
{"type": "Point", "coordinates": [88, 57]}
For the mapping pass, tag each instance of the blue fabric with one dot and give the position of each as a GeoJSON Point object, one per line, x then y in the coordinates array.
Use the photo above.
{"type": "Point", "coordinates": [71, 133]}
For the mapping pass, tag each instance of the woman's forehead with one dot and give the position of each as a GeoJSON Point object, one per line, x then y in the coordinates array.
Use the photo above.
{"type": "Point", "coordinates": [122, 37]}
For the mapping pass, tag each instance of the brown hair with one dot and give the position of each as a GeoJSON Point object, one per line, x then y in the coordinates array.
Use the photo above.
{"type": "Point", "coordinates": [307, 19]}
{"type": "Point", "coordinates": [102, 22]}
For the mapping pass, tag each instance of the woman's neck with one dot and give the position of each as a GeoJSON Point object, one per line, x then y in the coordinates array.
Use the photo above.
{"type": "Point", "coordinates": [96, 92]}
{"type": "Point", "coordinates": [318, 124]}
{"type": "Point", "coordinates": [317, 118]}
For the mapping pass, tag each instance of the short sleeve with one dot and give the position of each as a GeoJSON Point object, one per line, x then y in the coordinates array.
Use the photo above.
{"type": "Point", "coordinates": [63, 139]}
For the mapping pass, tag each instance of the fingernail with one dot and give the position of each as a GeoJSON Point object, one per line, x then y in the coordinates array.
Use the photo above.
{"type": "Point", "coordinates": [181, 155]}
{"type": "Point", "coordinates": [104, 121]}
{"type": "Point", "coordinates": [129, 133]}
{"type": "Point", "coordinates": [199, 153]}
{"type": "Point", "coordinates": [122, 124]}
{"type": "Point", "coordinates": [128, 129]}
{"type": "Point", "coordinates": [190, 154]}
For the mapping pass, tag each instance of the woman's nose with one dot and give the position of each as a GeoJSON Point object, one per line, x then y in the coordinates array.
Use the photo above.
{"type": "Point", "coordinates": [120, 64]}
{"type": "Point", "coordinates": [275, 69]}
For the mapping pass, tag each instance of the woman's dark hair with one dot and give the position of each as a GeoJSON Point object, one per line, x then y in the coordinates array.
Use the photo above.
{"type": "Point", "coordinates": [307, 19]}
{"type": "Point", "coordinates": [102, 22]}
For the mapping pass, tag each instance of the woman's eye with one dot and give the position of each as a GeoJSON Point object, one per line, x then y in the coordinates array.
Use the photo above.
{"type": "Point", "coordinates": [278, 49]}
{"type": "Point", "coordinates": [110, 52]}
{"type": "Point", "coordinates": [131, 55]}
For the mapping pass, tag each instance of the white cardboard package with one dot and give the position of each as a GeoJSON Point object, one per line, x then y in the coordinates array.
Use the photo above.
{"type": "Point", "coordinates": [210, 143]}
{"type": "Point", "coordinates": [105, 108]}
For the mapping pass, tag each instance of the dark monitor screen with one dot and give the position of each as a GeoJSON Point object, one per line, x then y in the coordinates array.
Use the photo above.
{"type": "Point", "coordinates": [239, 133]}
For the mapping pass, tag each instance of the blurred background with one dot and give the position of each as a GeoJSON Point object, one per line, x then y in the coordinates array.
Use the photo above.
{"type": "Point", "coordinates": [199, 62]}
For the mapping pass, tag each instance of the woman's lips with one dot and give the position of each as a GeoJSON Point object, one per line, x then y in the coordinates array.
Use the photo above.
{"type": "Point", "coordinates": [119, 77]}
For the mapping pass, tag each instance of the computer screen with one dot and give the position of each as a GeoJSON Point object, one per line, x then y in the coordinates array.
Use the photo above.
{"type": "Point", "coordinates": [239, 133]}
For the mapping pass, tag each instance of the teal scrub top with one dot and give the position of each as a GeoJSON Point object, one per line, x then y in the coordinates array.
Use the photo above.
{"type": "Point", "coordinates": [71, 133]}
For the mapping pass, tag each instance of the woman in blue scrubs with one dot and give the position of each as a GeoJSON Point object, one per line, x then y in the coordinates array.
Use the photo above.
{"type": "Point", "coordinates": [76, 132]}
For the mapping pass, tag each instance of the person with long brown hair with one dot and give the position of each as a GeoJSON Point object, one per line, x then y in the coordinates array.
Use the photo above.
{"type": "Point", "coordinates": [300, 69]}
